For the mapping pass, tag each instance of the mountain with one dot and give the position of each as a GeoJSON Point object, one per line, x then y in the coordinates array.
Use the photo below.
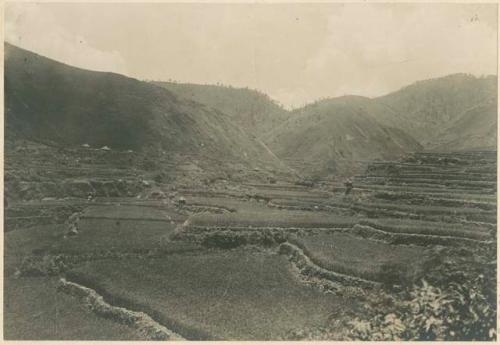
{"type": "Point", "coordinates": [250, 109]}
{"type": "Point", "coordinates": [427, 109]}
{"type": "Point", "coordinates": [335, 136]}
{"type": "Point", "coordinates": [56, 104]}
{"type": "Point", "coordinates": [456, 112]}
{"type": "Point", "coordinates": [475, 129]}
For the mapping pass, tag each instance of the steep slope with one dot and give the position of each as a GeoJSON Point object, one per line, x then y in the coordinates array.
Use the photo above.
{"type": "Point", "coordinates": [426, 108]}
{"type": "Point", "coordinates": [476, 129]}
{"type": "Point", "coordinates": [252, 110]}
{"type": "Point", "coordinates": [335, 136]}
{"type": "Point", "coordinates": [60, 105]}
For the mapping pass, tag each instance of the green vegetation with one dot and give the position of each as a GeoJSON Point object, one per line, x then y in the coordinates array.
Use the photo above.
{"type": "Point", "coordinates": [269, 219]}
{"type": "Point", "coordinates": [217, 276]}
{"type": "Point", "coordinates": [35, 310]}
{"type": "Point", "coordinates": [26, 242]}
{"type": "Point", "coordinates": [175, 204]}
{"type": "Point", "coordinates": [417, 211]}
{"type": "Point", "coordinates": [56, 104]}
{"type": "Point", "coordinates": [330, 137]}
{"type": "Point", "coordinates": [133, 212]}
{"type": "Point", "coordinates": [426, 108]}
{"type": "Point", "coordinates": [451, 192]}
{"type": "Point", "coordinates": [120, 235]}
{"type": "Point", "coordinates": [346, 254]}
{"type": "Point", "coordinates": [228, 203]}
{"type": "Point", "coordinates": [455, 301]}
{"type": "Point", "coordinates": [252, 110]}
{"type": "Point", "coordinates": [222, 295]}
{"type": "Point", "coordinates": [428, 228]}
{"type": "Point", "coordinates": [412, 198]}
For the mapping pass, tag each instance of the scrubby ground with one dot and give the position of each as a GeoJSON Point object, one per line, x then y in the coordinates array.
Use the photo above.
{"type": "Point", "coordinates": [255, 260]}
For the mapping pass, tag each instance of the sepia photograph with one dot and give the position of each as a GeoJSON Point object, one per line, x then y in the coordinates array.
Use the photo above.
{"type": "Point", "coordinates": [252, 171]}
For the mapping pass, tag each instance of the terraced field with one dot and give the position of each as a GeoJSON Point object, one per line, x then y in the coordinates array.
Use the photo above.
{"type": "Point", "coordinates": [259, 261]}
{"type": "Point", "coordinates": [223, 295]}
{"type": "Point", "coordinates": [35, 310]}
{"type": "Point", "coordinates": [335, 251]}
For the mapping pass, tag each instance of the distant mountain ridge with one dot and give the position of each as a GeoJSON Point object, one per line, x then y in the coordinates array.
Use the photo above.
{"type": "Point", "coordinates": [475, 129]}
{"type": "Point", "coordinates": [453, 113]}
{"type": "Point", "coordinates": [334, 136]}
{"type": "Point", "coordinates": [54, 103]}
{"type": "Point", "coordinates": [424, 109]}
{"type": "Point", "coordinates": [254, 111]}
{"type": "Point", "coordinates": [428, 108]}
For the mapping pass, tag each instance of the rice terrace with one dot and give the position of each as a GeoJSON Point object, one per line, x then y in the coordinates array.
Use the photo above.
{"type": "Point", "coordinates": [159, 210]}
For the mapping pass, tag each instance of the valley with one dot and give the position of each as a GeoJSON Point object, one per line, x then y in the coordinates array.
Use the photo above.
{"type": "Point", "coordinates": [158, 211]}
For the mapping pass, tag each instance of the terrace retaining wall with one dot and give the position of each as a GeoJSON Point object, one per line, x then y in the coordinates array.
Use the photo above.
{"type": "Point", "coordinates": [309, 268]}
{"type": "Point", "coordinates": [146, 326]}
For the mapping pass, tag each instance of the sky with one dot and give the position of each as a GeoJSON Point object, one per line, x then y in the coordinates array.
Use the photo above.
{"type": "Point", "coordinates": [296, 53]}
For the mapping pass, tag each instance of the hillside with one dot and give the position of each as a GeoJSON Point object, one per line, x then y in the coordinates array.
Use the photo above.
{"type": "Point", "coordinates": [457, 112]}
{"type": "Point", "coordinates": [475, 129]}
{"type": "Point", "coordinates": [56, 104]}
{"type": "Point", "coordinates": [427, 108]}
{"type": "Point", "coordinates": [252, 110]}
{"type": "Point", "coordinates": [335, 136]}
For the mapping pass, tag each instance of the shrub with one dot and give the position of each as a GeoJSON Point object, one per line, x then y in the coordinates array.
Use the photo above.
{"type": "Point", "coordinates": [459, 304]}
{"type": "Point", "coordinates": [42, 266]}
{"type": "Point", "coordinates": [460, 312]}
{"type": "Point", "coordinates": [224, 240]}
{"type": "Point", "coordinates": [161, 177]}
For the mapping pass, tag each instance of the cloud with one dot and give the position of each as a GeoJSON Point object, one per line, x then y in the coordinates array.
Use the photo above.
{"type": "Point", "coordinates": [31, 26]}
{"type": "Point", "coordinates": [373, 49]}
{"type": "Point", "coordinates": [296, 53]}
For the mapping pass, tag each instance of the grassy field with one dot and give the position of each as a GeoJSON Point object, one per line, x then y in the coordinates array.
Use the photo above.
{"type": "Point", "coordinates": [221, 295]}
{"type": "Point", "coordinates": [35, 310]}
{"type": "Point", "coordinates": [364, 185]}
{"type": "Point", "coordinates": [428, 228]}
{"type": "Point", "coordinates": [384, 233]}
{"type": "Point", "coordinates": [347, 254]}
{"type": "Point", "coordinates": [127, 212]}
{"type": "Point", "coordinates": [428, 200]}
{"type": "Point", "coordinates": [378, 209]}
{"type": "Point", "coordinates": [232, 204]}
{"type": "Point", "coordinates": [439, 178]}
{"type": "Point", "coordinates": [24, 242]}
{"type": "Point", "coordinates": [333, 205]}
{"type": "Point", "coordinates": [95, 235]}
{"type": "Point", "coordinates": [273, 194]}
{"type": "Point", "coordinates": [273, 218]}
{"type": "Point", "coordinates": [436, 175]}
{"type": "Point", "coordinates": [276, 186]}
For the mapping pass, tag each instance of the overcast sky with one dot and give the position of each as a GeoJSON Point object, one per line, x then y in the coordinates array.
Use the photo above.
{"type": "Point", "coordinates": [296, 53]}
